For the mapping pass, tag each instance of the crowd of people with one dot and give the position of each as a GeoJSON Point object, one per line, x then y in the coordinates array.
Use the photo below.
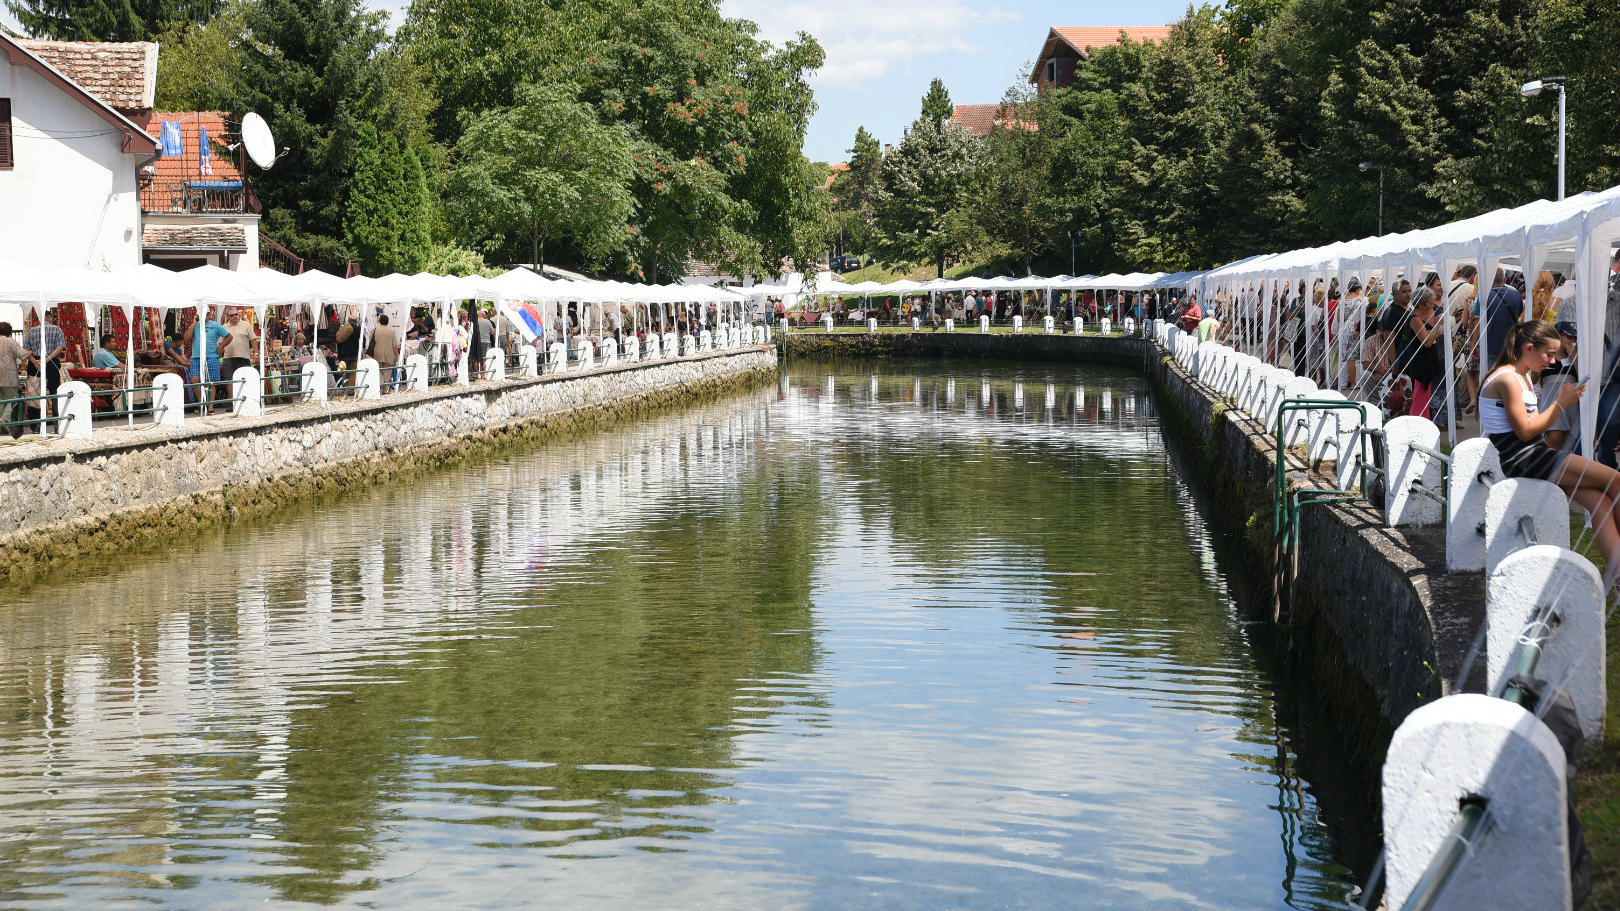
{"type": "Point", "coordinates": [207, 352]}
{"type": "Point", "coordinates": [999, 306]}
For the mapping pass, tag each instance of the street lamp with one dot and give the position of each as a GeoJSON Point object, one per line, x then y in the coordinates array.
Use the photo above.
{"type": "Point", "coordinates": [1536, 87]}
{"type": "Point", "coordinates": [1368, 166]}
{"type": "Point", "coordinates": [1071, 252]}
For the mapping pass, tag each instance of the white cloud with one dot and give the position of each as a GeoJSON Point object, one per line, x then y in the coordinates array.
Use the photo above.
{"type": "Point", "coordinates": [863, 39]}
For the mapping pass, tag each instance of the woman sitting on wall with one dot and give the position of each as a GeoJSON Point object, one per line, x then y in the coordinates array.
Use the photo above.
{"type": "Point", "coordinates": [1510, 417]}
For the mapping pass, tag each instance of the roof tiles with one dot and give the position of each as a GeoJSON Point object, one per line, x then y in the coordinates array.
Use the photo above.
{"type": "Point", "coordinates": [121, 74]}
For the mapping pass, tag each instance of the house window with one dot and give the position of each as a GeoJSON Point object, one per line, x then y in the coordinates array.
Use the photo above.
{"type": "Point", "coordinates": [1051, 71]}
{"type": "Point", "coordinates": [6, 159]}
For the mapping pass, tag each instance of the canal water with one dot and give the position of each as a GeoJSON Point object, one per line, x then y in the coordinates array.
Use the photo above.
{"type": "Point", "coordinates": [877, 636]}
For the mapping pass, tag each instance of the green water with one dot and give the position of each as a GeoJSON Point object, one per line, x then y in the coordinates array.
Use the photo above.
{"type": "Point", "coordinates": [894, 636]}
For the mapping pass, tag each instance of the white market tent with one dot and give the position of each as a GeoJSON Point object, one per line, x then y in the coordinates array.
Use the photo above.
{"type": "Point", "coordinates": [1576, 235]}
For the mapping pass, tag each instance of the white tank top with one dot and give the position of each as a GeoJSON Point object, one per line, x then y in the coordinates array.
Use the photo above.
{"type": "Point", "coordinates": [1493, 417]}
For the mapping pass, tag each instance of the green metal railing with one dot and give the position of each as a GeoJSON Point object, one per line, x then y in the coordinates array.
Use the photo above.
{"type": "Point", "coordinates": [9, 406]}
{"type": "Point", "coordinates": [205, 401]}
{"type": "Point", "coordinates": [1458, 843]}
{"type": "Point", "coordinates": [1289, 505]}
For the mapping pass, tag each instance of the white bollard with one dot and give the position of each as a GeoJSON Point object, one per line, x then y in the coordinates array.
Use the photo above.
{"type": "Point", "coordinates": [1475, 467]}
{"type": "Point", "coordinates": [316, 381]}
{"type": "Point", "coordinates": [1354, 440]}
{"type": "Point", "coordinates": [631, 352]}
{"type": "Point", "coordinates": [705, 340]}
{"type": "Point", "coordinates": [495, 366]}
{"type": "Point", "coordinates": [73, 409]}
{"type": "Point", "coordinates": [916, 324]}
{"type": "Point", "coordinates": [1296, 424]}
{"type": "Point", "coordinates": [247, 392]}
{"type": "Point", "coordinates": [672, 344]}
{"type": "Point", "coordinates": [1018, 324]}
{"type": "Point", "coordinates": [463, 369]}
{"type": "Point", "coordinates": [1049, 325]}
{"type": "Point", "coordinates": [827, 321]}
{"type": "Point", "coordinates": [584, 353]}
{"type": "Point", "coordinates": [1473, 746]}
{"type": "Point", "coordinates": [654, 349]}
{"type": "Point", "coordinates": [557, 357]}
{"type": "Point", "coordinates": [1515, 506]}
{"type": "Point", "coordinates": [529, 358]}
{"type": "Point", "coordinates": [950, 325]}
{"type": "Point", "coordinates": [984, 324]}
{"type": "Point", "coordinates": [416, 372]}
{"type": "Point", "coordinates": [1407, 467]}
{"type": "Point", "coordinates": [1079, 326]}
{"type": "Point", "coordinates": [1322, 428]}
{"type": "Point", "coordinates": [169, 399]}
{"type": "Point", "coordinates": [366, 381]}
{"type": "Point", "coordinates": [1130, 325]}
{"type": "Point", "coordinates": [688, 345]}
{"type": "Point", "coordinates": [1107, 326]}
{"type": "Point", "coordinates": [610, 352]}
{"type": "Point", "coordinates": [1572, 657]}
{"type": "Point", "coordinates": [871, 325]}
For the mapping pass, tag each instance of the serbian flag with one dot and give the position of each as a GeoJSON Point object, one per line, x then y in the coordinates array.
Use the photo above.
{"type": "Point", "coordinates": [532, 317]}
{"type": "Point", "coordinates": [205, 153]}
{"type": "Point", "coordinates": [173, 142]}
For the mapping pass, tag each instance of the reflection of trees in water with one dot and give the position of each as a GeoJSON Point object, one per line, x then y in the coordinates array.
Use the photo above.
{"type": "Point", "coordinates": [502, 632]}
{"type": "Point", "coordinates": [1067, 467]}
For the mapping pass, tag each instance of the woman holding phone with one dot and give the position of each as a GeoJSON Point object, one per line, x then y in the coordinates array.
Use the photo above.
{"type": "Point", "coordinates": [1510, 417]}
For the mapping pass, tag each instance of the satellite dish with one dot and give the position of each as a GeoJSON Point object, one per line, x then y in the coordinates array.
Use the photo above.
{"type": "Point", "coordinates": [261, 146]}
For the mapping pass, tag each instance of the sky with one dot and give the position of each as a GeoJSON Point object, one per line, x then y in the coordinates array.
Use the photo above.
{"type": "Point", "coordinates": [881, 54]}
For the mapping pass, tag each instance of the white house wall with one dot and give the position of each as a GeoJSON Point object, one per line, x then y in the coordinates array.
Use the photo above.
{"type": "Point", "coordinates": [72, 198]}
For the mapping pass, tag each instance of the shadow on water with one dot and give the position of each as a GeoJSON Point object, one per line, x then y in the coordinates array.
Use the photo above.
{"type": "Point", "coordinates": [881, 635]}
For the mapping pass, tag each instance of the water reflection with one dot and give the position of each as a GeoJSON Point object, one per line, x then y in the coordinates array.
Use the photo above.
{"type": "Point", "coordinates": [877, 638]}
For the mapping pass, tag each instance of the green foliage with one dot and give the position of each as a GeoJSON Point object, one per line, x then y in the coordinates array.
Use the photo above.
{"type": "Point", "coordinates": [936, 105]}
{"type": "Point", "coordinates": [855, 192]}
{"type": "Point", "coordinates": [389, 207]}
{"type": "Point", "coordinates": [107, 20]}
{"type": "Point", "coordinates": [198, 61]}
{"type": "Point", "coordinates": [1012, 202]}
{"type": "Point", "coordinates": [447, 259]}
{"type": "Point", "coordinates": [927, 179]}
{"type": "Point", "coordinates": [544, 169]}
{"type": "Point", "coordinates": [715, 119]}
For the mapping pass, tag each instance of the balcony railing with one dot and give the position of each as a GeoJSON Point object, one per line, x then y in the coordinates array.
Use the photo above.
{"type": "Point", "coordinates": [198, 196]}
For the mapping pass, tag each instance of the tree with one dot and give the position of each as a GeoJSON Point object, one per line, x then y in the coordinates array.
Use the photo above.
{"type": "Point", "coordinates": [107, 20]}
{"type": "Point", "coordinates": [715, 116]}
{"type": "Point", "coordinates": [316, 70]}
{"type": "Point", "coordinates": [543, 170]}
{"type": "Point", "coordinates": [936, 105]}
{"type": "Point", "coordinates": [856, 189]}
{"type": "Point", "coordinates": [926, 179]}
{"type": "Point", "coordinates": [199, 62]}
{"type": "Point", "coordinates": [1014, 199]}
{"type": "Point", "coordinates": [388, 212]}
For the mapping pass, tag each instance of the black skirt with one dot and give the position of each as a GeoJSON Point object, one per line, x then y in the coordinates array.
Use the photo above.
{"type": "Point", "coordinates": [1520, 459]}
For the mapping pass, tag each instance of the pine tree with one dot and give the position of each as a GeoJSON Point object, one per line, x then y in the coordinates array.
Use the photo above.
{"type": "Point", "coordinates": [927, 182]}
{"type": "Point", "coordinates": [107, 20]}
{"type": "Point", "coordinates": [936, 105]}
{"type": "Point", "coordinates": [416, 236]}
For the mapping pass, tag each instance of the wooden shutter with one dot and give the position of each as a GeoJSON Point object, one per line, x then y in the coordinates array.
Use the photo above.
{"type": "Point", "coordinates": [6, 159]}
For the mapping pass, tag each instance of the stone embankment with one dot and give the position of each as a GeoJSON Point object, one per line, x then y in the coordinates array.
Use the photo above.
{"type": "Point", "coordinates": [60, 498]}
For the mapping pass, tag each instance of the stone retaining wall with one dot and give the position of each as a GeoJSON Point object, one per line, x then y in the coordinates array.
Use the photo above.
{"type": "Point", "coordinates": [60, 497]}
{"type": "Point", "coordinates": [1031, 344]}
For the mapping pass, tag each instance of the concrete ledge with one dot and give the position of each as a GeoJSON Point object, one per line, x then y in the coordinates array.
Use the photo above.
{"type": "Point", "coordinates": [74, 498]}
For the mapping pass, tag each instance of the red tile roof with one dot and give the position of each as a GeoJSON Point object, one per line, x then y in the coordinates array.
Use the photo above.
{"type": "Point", "coordinates": [1082, 37]}
{"type": "Point", "coordinates": [171, 172]}
{"type": "Point", "coordinates": [837, 169]}
{"type": "Point", "coordinates": [980, 119]}
{"type": "Point", "coordinates": [122, 74]}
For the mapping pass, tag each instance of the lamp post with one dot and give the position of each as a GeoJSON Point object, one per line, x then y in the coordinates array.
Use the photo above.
{"type": "Point", "coordinates": [1071, 253]}
{"type": "Point", "coordinates": [1368, 166]}
{"type": "Point", "coordinates": [1536, 87]}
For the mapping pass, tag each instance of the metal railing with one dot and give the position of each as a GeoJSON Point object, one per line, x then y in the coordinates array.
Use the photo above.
{"type": "Point", "coordinates": [1443, 495]}
{"type": "Point", "coordinates": [12, 406]}
{"type": "Point", "coordinates": [1459, 843]}
{"type": "Point", "coordinates": [199, 196]}
{"type": "Point", "coordinates": [205, 401]}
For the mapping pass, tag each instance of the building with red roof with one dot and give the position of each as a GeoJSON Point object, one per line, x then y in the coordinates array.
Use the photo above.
{"type": "Point", "coordinates": [1066, 46]}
